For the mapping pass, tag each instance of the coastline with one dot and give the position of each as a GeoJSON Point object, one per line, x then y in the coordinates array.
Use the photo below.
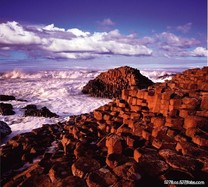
{"type": "Point", "coordinates": [134, 131]}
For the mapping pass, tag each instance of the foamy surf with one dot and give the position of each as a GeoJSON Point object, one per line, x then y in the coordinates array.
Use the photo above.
{"type": "Point", "coordinates": [59, 91]}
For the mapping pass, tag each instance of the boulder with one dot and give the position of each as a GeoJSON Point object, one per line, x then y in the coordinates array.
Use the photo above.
{"type": "Point", "coordinates": [70, 181]}
{"type": "Point", "coordinates": [32, 110]}
{"type": "Point", "coordinates": [7, 97]}
{"type": "Point", "coordinates": [111, 83]}
{"type": "Point", "coordinates": [59, 171]}
{"type": "Point", "coordinates": [4, 130]}
{"type": "Point", "coordinates": [101, 177]}
{"type": "Point", "coordinates": [114, 144]}
{"type": "Point", "coordinates": [177, 161]}
{"type": "Point", "coordinates": [84, 165]}
{"type": "Point", "coordinates": [6, 109]}
{"type": "Point", "coordinates": [128, 171]}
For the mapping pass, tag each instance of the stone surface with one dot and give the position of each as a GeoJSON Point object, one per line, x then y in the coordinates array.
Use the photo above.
{"type": "Point", "coordinates": [4, 130]}
{"type": "Point", "coordinates": [6, 109]}
{"type": "Point", "coordinates": [32, 110]}
{"type": "Point", "coordinates": [6, 97]}
{"type": "Point", "coordinates": [83, 165]}
{"type": "Point", "coordinates": [71, 181]}
{"type": "Point", "coordinates": [114, 144]}
{"type": "Point", "coordinates": [101, 177]}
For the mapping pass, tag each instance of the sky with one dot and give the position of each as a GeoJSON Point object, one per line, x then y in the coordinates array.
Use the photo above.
{"type": "Point", "coordinates": [108, 31]}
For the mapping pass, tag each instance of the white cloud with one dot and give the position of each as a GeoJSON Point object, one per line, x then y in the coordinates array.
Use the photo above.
{"type": "Point", "coordinates": [184, 28]}
{"type": "Point", "coordinates": [171, 39]}
{"type": "Point", "coordinates": [200, 52]}
{"type": "Point", "coordinates": [74, 43]}
{"type": "Point", "coordinates": [54, 42]}
{"type": "Point", "coordinates": [14, 34]}
{"type": "Point", "coordinates": [51, 27]}
{"type": "Point", "coordinates": [78, 32]}
{"type": "Point", "coordinates": [107, 22]}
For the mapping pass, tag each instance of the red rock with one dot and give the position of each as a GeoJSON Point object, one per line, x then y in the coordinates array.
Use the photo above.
{"type": "Point", "coordinates": [37, 180]}
{"type": "Point", "coordinates": [111, 83]}
{"type": "Point", "coordinates": [150, 163]}
{"type": "Point", "coordinates": [175, 123]}
{"type": "Point", "coordinates": [176, 103]}
{"type": "Point", "coordinates": [71, 181]}
{"type": "Point", "coordinates": [200, 140]}
{"type": "Point", "coordinates": [113, 160]}
{"type": "Point", "coordinates": [195, 121]}
{"type": "Point", "coordinates": [146, 135]}
{"type": "Point", "coordinates": [128, 171]}
{"type": "Point", "coordinates": [158, 121]}
{"type": "Point", "coordinates": [186, 112]}
{"type": "Point", "coordinates": [98, 115]}
{"type": "Point", "coordinates": [126, 183]}
{"type": "Point", "coordinates": [179, 162]}
{"type": "Point", "coordinates": [84, 165]}
{"type": "Point", "coordinates": [135, 108]}
{"type": "Point", "coordinates": [59, 171]}
{"type": "Point", "coordinates": [176, 175]}
{"type": "Point", "coordinates": [114, 144]}
{"type": "Point", "coordinates": [100, 178]}
{"type": "Point", "coordinates": [190, 103]}
{"type": "Point", "coordinates": [204, 102]}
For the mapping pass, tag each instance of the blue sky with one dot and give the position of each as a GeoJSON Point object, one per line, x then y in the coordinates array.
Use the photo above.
{"type": "Point", "coordinates": [106, 29]}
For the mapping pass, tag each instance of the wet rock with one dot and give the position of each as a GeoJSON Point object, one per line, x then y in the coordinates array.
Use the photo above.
{"type": "Point", "coordinates": [114, 144]}
{"type": "Point", "coordinates": [100, 178]}
{"type": "Point", "coordinates": [37, 180]}
{"type": "Point", "coordinates": [113, 160]}
{"type": "Point", "coordinates": [4, 130]}
{"type": "Point", "coordinates": [177, 175]}
{"type": "Point", "coordinates": [149, 161]}
{"type": "Point", "coordinates": [84, 165]}
{"type": "Point", "coordinates": [180, 162]}
{"type": "Point", "coordinates": [85, 150]}
{"type": "Point", "coordinates": [70, 181]}
{"type": "Point", "coordinates": [59, 171]}
{"type": "Point", "coordinates": [128, 171]}
{"type": "Point", "coordinates": [31, 110]}
{"type": "Point", "coordinates": [6, 109]}
{"type": "Point", "coordinates": [111, 83]}
{"type": "Point", "coordinates": [7, 97]}
{"type": "Point", "coordinates": [126, 183]}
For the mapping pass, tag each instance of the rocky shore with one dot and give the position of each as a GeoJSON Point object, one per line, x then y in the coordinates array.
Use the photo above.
{"type": "Point", "coordinates": [142, 138]}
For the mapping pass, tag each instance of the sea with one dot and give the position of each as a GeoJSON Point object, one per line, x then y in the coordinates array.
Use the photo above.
{"type": "Point", "coordinates": [58, 85]}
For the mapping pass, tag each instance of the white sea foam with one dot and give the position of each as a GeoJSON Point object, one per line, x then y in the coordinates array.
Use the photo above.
{"type": "Point", "coordinates": [157, 76]}
{"type": "Point", "coordinates": [59, 91]}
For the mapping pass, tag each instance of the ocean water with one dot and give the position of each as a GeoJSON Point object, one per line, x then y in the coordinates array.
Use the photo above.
{"type": "Point", "coordinates": [58, 87]}
{"type": "Point", "coordinates": [59, 91]}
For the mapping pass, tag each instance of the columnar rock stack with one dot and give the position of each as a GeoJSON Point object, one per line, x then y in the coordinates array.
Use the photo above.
{"type": "Point", "coordinates": [141, 139]}
{"type": "Point", "coordinates": [110, 84]}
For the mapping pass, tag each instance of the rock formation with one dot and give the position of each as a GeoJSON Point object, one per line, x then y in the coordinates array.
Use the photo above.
{"type": "Point", "coordinates": [110, 84]}
{"type": "Point", "coordinates": [6, 109]}
{"type": "Point", "coordinates": [6, 97]}
{"type": "Point", "coordinates": [4, 130]}
{"type": "Point", "coordinates": [32, 110]}
{"type": "Point", "coordinates": [141, 139]}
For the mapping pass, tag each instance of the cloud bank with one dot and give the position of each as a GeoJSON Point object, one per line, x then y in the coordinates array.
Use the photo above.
{"type": "Point", "coordinates": [73, 43]}
{"type": "Point", "coordinates": [52, 42]}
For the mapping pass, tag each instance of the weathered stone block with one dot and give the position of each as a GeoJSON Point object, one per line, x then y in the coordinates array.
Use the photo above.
{"type": "Point", "coordinates": [114, 144]}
